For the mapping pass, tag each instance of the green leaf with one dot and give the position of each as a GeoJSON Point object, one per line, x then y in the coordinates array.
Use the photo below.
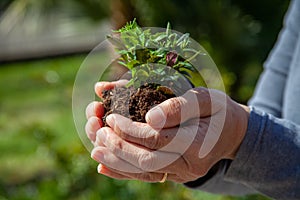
{"type": "Point", "coordinates": [160, 37]}
{"type": "Point", "coordinates": [129, 26]}
{"type": "Point", "coordinates": [168, 30]}
{"type": "Point", "coordinates": [122, 63]}
{"type": "Point", "coordinates": [137, 46]}
{"type": "Point", "coordinates": [172, 38]}
{"type": "Point", "coordinates": [190, 50]}
{"type": "Point", "coordinates": [116, 42]}
{"type": "Point", "coordinates": [123, 52]}
{"type": "Point", "coordinates": [132, 64]}
{"type": "Point", "coordinates": [182, 38]}
{"type": "Point", "coordinates": [142, 39]}
{"type": "Point", "coordinates": [142, 55]}
{"type": "Point", "coordinates": [187, 65]}
{"type": "Point", "coordinates": [142, 74]}
{"type": "Point", "coordinates": [194, 56]}
{"type": "Point", "coordinates": [184, 73]}
{"type": "Point", "coordinates": [130, 83]}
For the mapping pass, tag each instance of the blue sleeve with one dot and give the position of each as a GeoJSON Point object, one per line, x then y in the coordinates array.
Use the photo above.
{"type": "Point", "coordinates": [268, 161]}
{"type": "Point", "coordinates": [269, 92]}
{"type": "Point", "coordinates": [268, 97]}
{"type": "Point", "coordinates": [269, 157]}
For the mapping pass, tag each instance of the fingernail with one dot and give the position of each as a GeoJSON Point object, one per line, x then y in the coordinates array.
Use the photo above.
{"type": "Point", "coordinates": [98, 88]}
{"type": "Point", "coordinates": [98, 84]}
{"type": "Point", "coordinates": [156, 117]}
{"type": "Point", "coordinates": [99, 168]}
{"type": "Point", "coordinates": [110, 119]}
{"type": "Point", "coordinates": [96, 155]}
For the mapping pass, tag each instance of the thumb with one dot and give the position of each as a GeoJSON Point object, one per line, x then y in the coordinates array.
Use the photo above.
{"type": "Point", "coordinates": [104, 85]}
{"type": "Point", "coordinates": [194, 103]}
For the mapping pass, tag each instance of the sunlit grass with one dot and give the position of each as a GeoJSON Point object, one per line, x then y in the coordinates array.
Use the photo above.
{"type": "Point", "coordinates": [35, 117]}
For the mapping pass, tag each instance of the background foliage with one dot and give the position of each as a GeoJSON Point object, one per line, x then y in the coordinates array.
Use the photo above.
{"type": "Point", "coordinates": [41, 156]}
{"type": "Point", "coordinates": [238, 34]}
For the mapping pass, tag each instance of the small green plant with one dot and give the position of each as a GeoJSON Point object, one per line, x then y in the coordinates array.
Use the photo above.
{"type": "Point", "coordinates": [162, 56]}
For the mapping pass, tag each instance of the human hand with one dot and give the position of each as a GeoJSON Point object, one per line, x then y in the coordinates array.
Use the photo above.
{"type": "Point", "coordinates": [95, 110]}
{"type": "Point", "coordinates": [132, 150]}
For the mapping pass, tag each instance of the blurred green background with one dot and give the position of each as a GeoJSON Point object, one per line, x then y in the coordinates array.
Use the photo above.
{"type": "Point", "coordinates": [42, 45]}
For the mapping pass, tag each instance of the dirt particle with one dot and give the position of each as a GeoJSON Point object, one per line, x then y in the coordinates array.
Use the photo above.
{"type": "Point", "coordinates": [133, 103]}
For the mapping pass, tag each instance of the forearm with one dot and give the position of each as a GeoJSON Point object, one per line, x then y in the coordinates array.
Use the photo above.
{"type": "Point", "coordinates": [269, 157]}
{"type": "Point", "coordinates": [268, 97]}
{"type": "Point", "coordinates": [268, 161]}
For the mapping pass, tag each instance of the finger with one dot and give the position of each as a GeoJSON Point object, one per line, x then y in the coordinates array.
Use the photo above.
{"type": "Point", "coordinates": [114, 167]}
{"type": "Point", "coordinates": [92, 126]}
{"type": "Point", "coordinates": [106, 157]}
{"type": "Point", "coordinates": [94, 109]}
{"type": "Point", "coordinates": [103, 85]}
{"type": "Point", "coordinates": [195, 103]}
{"type": "Point", "coordinates": [102, 169]}
{"type": "Point", "coordinates": [103, 155]}
{"type": "Point", "coordinates": [146, 177]}
{"type": "Point", "coordinates": [145, 159]}
{"type": "Point", "coordinates": [134, 132]}
{"type": "Point", "coordinates": [138, 156]}
{"type": "Point", "coordinates": [154, 177]}
{"type": "Point", "coordinates": [118, 170]}
{"type": "Point", "coordinates": [174, 140]}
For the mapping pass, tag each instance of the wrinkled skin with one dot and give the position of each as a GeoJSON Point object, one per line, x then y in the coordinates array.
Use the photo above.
{"type": "Point", "coordinates": [184, 136]}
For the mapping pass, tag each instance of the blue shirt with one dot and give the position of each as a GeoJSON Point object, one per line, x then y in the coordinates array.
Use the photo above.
{"type": "Point", "coordinates": [268, 160]}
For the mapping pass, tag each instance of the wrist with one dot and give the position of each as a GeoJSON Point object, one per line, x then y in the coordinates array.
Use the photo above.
{"type": "Point", "coordinates": [242, 116]}
{"type": "Point", "coordinates": [245, 110]}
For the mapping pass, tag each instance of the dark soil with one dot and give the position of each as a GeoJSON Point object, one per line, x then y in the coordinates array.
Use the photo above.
{"type": "Point", "coordinates": [133, 103]}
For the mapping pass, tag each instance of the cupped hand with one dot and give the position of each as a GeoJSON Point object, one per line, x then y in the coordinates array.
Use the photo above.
{"type": "Point", "coordinates": [184, 137]}
{"type": "Point", "coordinates": [95, 110]}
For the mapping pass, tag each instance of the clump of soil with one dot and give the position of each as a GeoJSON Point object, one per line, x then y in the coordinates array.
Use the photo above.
{"type": "Point", "coordinates": [133, 103]}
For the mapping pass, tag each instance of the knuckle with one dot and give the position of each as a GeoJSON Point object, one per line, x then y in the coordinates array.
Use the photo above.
{"type": "Point", "coordinates": [121, 133]}
{"type": "Point", "coordinates": [124, 128]}
{"type": "Point", "coordinates": [153, 141]}
{"type": "Point", "coordinates": [110, 140]}
{"type": "Point", "coordinates": [201, 100]}
{"type": "Point", "coordinates": [204, 96]}
{"type": "Point", "coordinates": [89, 111]}
{"type": "Point", "coordinates": [173, 105]}
{"type": "Point", "coordinates": [146, 161]}
{"type": "Point", "coordinates": [91, 127]}
{"type": "Point", "coordinates": [95, 108]}
{"type": "Point", "coordinates": [94, 121]}
{"type": "Point", "coordinates": [105, 130]}
{"type": "Point", "coordinates": [201, 92]}
{"type": "Point", "coordinates": [116, 146]}
{"type": "Point", "coordinates": [88, 132]}
{"type": "Point", "coordinates": [159, 140]}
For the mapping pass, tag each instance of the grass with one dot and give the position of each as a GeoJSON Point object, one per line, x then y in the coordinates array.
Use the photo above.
{"type": "Point", "coordinates": [41, 155]}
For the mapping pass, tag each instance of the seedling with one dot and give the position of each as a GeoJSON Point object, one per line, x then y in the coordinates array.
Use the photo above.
{"type": "Point", "coordinates": [160, 67]}
{"type": "Point", "coordinates": [150, 57]}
